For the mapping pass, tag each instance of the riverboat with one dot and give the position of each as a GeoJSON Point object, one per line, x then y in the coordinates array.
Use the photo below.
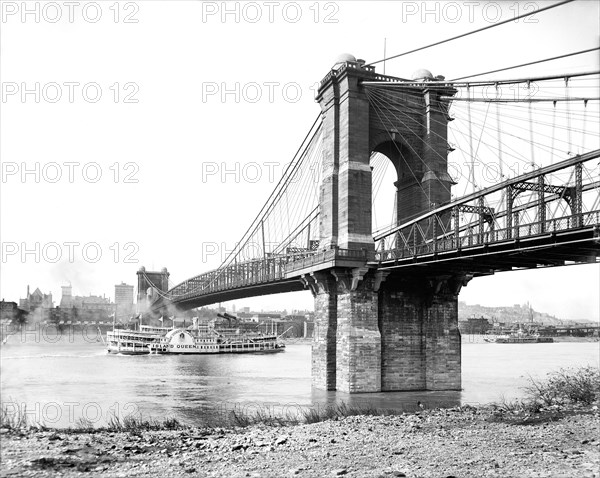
{"type": "Point", "coordinates": [520, 337]}
{"type": "Point", "coordinates": [134, 342]}
{"type": "Point", "coordinates": [196, 339]}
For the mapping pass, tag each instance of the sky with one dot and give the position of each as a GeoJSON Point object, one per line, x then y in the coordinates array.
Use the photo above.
{"type": "Point", "coordinates": [150, 133]}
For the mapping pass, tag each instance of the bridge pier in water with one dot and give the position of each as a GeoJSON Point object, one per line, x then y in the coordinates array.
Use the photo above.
{"type": "Point", "coordinates": [373, 335]}
{"type": "Point", "coordinates": [421, 347]}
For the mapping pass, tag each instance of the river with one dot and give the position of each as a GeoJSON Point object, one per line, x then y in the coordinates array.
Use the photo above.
{"type": "Point", "coordinates": [57, 383]}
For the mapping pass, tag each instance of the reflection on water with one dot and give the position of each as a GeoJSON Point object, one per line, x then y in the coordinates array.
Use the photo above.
{"type": "Point", "coordinates": [60, 382]}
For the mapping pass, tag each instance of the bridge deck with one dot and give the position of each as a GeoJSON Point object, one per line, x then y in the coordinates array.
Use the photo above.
{"type": "Point", "coordinates": [476, 254]}
{"type": "Point", "coordinates": [430, 246]}
{"type": "Point", "coordinates": [527, 247]}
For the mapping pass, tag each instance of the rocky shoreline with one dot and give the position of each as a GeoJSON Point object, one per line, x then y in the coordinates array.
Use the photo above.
{"type": "Point", "coordinates": [455, 442]}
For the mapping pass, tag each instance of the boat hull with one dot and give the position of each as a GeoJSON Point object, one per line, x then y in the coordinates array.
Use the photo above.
{"type": "Point", "coordinates": [265, 351]}
{"type": "Point", "coordinates": [520, 340]}
{"type": "Point", "coordinates": [193, 352]}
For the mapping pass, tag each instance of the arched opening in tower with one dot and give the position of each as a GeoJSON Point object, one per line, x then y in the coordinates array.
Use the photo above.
{"type": "Point", "coordinates": [384, 202]}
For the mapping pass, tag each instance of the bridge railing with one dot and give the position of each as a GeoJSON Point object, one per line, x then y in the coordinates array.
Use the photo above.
{"type": "Point", "coordinates": [472, 237]}
{"type": "Point", "coordinates": [259, 271]}
{"type": "Point", "coordinates": [310, 260]}
{"type": "Point", "coordinates": [278, 267]}
{"type": "Point", "coordinates": [236, 275]}
{"type": "Point", "coordinates": [522, 206]}
{"type": "Point", "coordinates": [240, 274]}
{"type": "Point", "coordinates": [328, 255]}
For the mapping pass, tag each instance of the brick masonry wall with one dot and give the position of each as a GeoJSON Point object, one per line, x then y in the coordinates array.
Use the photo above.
{"type": "Point", "coordinates": [358, 350]}
{"type": "Point", "coordinates": [400, 338]}
{"type": "Point", "coordinates": [354, 226]}
{"type": "Point", "coordinates": [328, 219]}
{"type": "Point", "coordinates": [324, 339]}
{"type": "Point", "coordinates": [442, 344]}
{"type": "Point", "coordinates": [402, 345]}
{"type": "Point", "coordinates": [420, 340]}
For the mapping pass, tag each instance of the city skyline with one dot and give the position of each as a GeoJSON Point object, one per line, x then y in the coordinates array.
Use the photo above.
{"type": "Point", "coordinates": [239, 305]}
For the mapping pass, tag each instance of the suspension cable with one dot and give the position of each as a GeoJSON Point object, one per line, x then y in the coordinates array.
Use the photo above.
{"type": "Point", "coordinates": [528, 64]}
{"type": "Point", "coordinates": [472, 32]}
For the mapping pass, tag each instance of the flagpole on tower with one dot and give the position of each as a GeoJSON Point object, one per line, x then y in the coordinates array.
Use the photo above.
{"type": "Point", "coordinates": [384, 53]}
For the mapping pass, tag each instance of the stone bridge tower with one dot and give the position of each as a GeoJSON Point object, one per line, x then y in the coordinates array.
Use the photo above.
{"type": "Point", "coordinates": [377, 331]}
{"type": "Point", "coordinates": [149, 286]}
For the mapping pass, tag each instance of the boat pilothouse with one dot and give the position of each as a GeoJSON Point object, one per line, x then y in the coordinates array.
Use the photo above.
{"type": "Point", "coordinates": [197, 339]}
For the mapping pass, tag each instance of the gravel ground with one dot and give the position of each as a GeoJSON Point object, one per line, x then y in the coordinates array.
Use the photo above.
{"type": "Point", "coordinates": [457, 442]}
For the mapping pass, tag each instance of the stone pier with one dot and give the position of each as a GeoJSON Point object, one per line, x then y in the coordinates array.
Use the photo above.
{"type": "Point", "coordinates": [401, 337]}
{"type": "Point", "coordinates": [324, 335]}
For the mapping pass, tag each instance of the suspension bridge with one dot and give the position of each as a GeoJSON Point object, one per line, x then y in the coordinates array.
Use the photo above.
{"type": "Point", "coordinates": [485, 176]}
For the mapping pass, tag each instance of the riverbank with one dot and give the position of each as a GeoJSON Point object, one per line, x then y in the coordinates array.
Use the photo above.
{"type": "Point", "coordinates": [465, 442]}
{"type": "Point", "coordinates": [482, 339]}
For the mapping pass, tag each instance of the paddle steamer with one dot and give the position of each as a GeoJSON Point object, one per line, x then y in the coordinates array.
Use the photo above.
{"type": "Point", "coordinates": [196, 339]}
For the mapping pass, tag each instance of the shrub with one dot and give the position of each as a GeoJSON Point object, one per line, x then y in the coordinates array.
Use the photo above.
{"type": "Point", "coordinates": [13, 417]}
{"type": "Point", "coordinates": [566, 386]}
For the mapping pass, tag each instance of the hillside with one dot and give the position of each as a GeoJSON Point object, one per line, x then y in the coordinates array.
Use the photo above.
{"type": "Point", "coordinates": [508, 314]}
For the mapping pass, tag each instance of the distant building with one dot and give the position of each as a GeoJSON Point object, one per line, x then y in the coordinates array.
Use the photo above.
{"type": "Point", "coordinates": [37, 300]}
{"type": "Point", "coordinates": [474, 326]}
{"type": "Point", "coordinates": [77, 308]}
{"type": "Point", "coordinates": [297, 317]}
{"type": "Point", "coordinates": [298, 325]}
{"type": "Point", "coordinates": [124, 299]}
{"type": "Point", "coordinates": [90, 302]}
{"type": "Point", "coordinates": [244, 315]}
{"type": "Point", "coordinates": [548, 330]}
{"type": "Point", "coordinates": [260, 316]}
{"type": "Point", "coordinates": [93, 302]}
{"type": "Point", "coordinates": [66, 299]}
{"type": "Point", "coordinates": [288, 327]}
{"type": "Point", "coordinates": [11, 314]}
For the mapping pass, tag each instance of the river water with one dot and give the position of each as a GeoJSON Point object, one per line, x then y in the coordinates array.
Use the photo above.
{"type": "Point", "coordinates": [58, 383]}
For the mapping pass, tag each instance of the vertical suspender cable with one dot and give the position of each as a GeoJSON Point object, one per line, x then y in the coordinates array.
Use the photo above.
{"type": "Point", "coordinates": [553, 132]}
{"type": "Point", "coordinates": [568, 112]}
{"type": "Point", "coordinates": [499, 132]}
{"type": "Point", "coordinates": [472, 169]}
{"type": "Point", "coordinates": [583, 128]}
{"type": "Point", "coordinates": [262, 228]}
{"type": "Point", "coordinates": [531, 143]}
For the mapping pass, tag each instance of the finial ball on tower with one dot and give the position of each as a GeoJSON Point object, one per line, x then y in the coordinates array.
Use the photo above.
{"type": "Point", "coordinates": [422, 75]}
{"type": "Point", "coordinates": [344, 58]}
